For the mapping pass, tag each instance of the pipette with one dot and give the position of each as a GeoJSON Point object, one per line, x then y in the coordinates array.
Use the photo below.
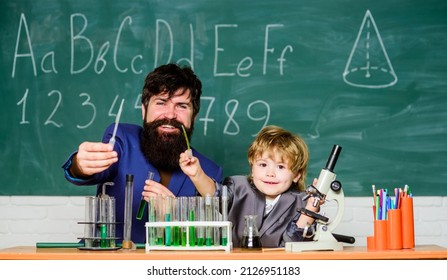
{"type": "Point", "coordinates": [117, 120]}
{"type": "Point", "coordinates": [189, 151]}
{"type": "Point", "coordinates": [150, 176]}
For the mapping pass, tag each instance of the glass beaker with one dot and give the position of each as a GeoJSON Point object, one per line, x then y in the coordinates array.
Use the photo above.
{"type": "Point", "coordinates": [250, 236]}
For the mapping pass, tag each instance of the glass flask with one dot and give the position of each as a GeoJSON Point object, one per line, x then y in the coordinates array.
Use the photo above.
{"type": "Point", "coordinates": [250, 236]}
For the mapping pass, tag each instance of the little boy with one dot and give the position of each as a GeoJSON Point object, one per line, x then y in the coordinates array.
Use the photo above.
{"type": "Point", "coordinates": [273, 191]}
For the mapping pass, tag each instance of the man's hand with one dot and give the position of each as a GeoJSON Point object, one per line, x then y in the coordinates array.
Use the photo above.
{"type": "Point", "coordinates": [153, 188]}
{"type": "Point", "coordinates": [92, 158]}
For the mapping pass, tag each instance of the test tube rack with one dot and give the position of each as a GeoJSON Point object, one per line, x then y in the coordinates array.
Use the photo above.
{"type": "Point", "coordinates": [197, 224]}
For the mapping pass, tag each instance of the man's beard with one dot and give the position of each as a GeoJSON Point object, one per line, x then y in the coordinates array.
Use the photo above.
{"type": "Point", "coordinates": [163, 149]}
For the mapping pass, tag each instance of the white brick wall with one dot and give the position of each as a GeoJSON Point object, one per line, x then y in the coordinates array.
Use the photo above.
{"type": "Point", "coordinates": [25, 220]}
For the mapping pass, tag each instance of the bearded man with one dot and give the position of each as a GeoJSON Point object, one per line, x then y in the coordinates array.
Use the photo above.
{"type": "Point", "coordinates": [170, 102]}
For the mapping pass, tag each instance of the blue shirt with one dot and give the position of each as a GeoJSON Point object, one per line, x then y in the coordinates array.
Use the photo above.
{"type": "Point", "coordinates": [131, 160]}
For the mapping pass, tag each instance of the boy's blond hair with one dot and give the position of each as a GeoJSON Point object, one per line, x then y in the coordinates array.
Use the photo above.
{"type": "Point", "coordinates": [292, 149]}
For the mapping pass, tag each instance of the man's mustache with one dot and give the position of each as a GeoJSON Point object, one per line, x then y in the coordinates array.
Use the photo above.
{"type": "Point", "coordinates": [173, 123]}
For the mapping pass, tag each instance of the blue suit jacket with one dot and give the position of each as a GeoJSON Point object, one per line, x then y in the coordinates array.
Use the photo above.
{"type": "Point", "coordinates": [132, 161]}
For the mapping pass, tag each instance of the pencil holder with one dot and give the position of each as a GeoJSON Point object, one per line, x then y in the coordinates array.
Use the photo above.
{"type": "Point", "coordinates": [407, 223]}
{"type": "Point", "coordinates": [395, 229]}
{"type": "Point", "coordinates": [370, 243]}
{"type": "Point", "coordinates": [381, 234]}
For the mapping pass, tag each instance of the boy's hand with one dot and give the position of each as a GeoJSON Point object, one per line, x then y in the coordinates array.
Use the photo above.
{"type": "Point", "coordinates": [189, 164]}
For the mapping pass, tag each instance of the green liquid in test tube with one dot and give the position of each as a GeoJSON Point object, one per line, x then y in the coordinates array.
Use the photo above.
{"type": "Point", "coordinates": [103, 243]}
{"type": "Point", "coordinates": [184, 239]}
{"type": "Point", "coordinates": [200, 241]}
{"type": "Point", "coordinates": [175, 236]}
{"type": "Point", "coordinates": [150, 176]}
{"type": "Point", "coordinates": [168, 230]}
{"type": "Point", "coordinates": [224, 241]}
{"type": "Point", "coordinates": [192, 230]}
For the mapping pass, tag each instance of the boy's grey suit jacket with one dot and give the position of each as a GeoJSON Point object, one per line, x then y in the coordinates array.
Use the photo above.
{"type": "Point", "coordinates": [245, 199]}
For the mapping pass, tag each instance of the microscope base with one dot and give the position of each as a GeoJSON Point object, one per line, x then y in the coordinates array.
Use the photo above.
{"type": "Point", "coordinates": [313, 246]}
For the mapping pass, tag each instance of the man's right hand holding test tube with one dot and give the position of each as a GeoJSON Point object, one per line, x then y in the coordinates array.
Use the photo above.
{"type": "Point", "coordinates": [92, 158]}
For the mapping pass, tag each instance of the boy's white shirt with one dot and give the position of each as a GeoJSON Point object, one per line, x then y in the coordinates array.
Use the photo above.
{"type": "Point", "coordinates": [270, 203]}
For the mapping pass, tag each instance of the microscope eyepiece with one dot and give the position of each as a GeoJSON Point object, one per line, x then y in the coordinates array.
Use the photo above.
{"type": "Point", "coordinates": [332, 160]}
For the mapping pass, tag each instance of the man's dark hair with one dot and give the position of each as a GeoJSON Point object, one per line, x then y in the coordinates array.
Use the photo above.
{"type": "Point", "coordinates": [168, 79]}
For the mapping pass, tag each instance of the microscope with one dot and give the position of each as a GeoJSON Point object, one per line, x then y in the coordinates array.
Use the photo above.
{"type": "Point", "coordinates": [327, 189]}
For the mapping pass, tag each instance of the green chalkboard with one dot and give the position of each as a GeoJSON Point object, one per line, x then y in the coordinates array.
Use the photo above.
{"type": "Point", "coordinates": [370, 76]}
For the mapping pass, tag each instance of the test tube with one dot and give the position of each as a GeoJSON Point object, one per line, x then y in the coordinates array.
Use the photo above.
{"type": "Point", "coordinates": [151, 213]}
{"type": "Point", "coordinates": [127, 242]}
{"type": "Point", "coordinates": [208, 218]}
{"type": "Point", "coordinates": [224, 205]}
{"type": "Point", "coordinates": [160, 218]}
{"type": "Point", "coordinates": [192, 205]}
{"type": "Point", "coordinates": [201, 217]}
{"type": "Point", "coordinates": [150, 176]}
{"type": "Point", "coordinates": [167, 213]}
{"type": "Point", "coordinates": [102, 222]}
{"type": "Point", "coordinates": [106, 218]}
{"type": "Point", "coordinates": [183, 217]}
{"type": "Point", "coordinates": [111, 222]}
{"type": "Point", "coordinates": [90, 221]}
{"type": "Point", "coordinates": [216, 217]}
{"type": "Point", "coordinates": [176, 217]}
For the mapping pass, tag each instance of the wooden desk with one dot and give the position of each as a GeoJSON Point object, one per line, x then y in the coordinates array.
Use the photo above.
{"type": "Point", "coordinates": [348, 253]}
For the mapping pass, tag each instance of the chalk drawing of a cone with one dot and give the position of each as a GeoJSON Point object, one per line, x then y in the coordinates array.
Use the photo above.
{"type": "Point", "coordinates": [368, 65]}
